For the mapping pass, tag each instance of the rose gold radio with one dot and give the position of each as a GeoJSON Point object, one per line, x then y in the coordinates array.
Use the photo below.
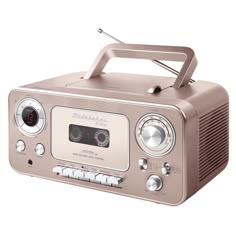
{"type": "Point", "coordinates": [155, 138]}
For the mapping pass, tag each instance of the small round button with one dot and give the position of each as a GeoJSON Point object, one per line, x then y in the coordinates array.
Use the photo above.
{"type": "Point", "coordinates": [154, 183]}
{"type": "Point", "coordinates": [20, 146]}
{"type": "Point", "coordinates": [39, 149]}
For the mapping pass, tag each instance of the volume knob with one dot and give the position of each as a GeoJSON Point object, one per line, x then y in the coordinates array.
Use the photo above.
{"type": "Point", "coordinates": [154, 183]}
{"type": "Point", "coordinates": [153, 135]}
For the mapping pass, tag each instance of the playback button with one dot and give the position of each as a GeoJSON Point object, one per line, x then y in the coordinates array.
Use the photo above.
{"type": "Point", "coordinates": [108, 180]}
{"type": "Point", "coordinates": [102, 179]}
{"type": "Point", "coordinates": [20, 146]}
{"type": "Point", "coordinates": [39, 149]}
{"type": "Point", "coordinates": [114, 180]}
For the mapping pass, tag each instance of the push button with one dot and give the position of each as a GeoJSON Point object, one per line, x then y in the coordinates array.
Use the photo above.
{"type": "Point", "coordinates": [58, 170]}
{"type": "Point", "coordinates": [20, 146]}
{"type": "Point", "coordinates": [114, 180]}
{"type": "Point", "coordinates": [101, 178]}
{"type": "Point", "coordinates": [39, 149]}
{"type": "Point", "coordinates": [68, 172]}
{"type": "Point", "coordinates": [90, 176]}
{"type": "Point", "coordinates": [78, 174]}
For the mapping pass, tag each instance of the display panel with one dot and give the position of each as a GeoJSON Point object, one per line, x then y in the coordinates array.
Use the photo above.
{"type": "Point", "coordinates": [30, 116]}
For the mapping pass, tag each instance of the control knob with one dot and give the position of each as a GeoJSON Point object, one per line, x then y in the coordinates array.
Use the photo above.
{"type": "Point", "coordinates": [153, 135]}
{"type": "Point", "coordinates": [154, 183]}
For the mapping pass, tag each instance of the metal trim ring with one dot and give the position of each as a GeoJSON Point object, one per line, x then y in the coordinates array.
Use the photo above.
{"type": "Point", "coordinates": [25, 129]}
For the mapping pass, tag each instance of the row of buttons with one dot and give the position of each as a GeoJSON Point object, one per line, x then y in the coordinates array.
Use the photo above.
{"type": "Point", "coordinates": [39, 148]}
{"type": "Point", "coordinates": [88, 176]}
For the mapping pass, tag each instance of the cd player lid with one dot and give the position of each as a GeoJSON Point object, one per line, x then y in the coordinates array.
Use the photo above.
{"type": "Point", "coordinates": [122, 83]}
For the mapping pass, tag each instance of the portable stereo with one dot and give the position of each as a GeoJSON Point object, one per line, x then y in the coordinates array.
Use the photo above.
{"type": "Point", "coordinates": [159, 139]}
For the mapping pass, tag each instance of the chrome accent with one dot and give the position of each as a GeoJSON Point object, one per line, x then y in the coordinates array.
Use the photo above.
{"type": "Point", "coordinates": [143, 165]}
{"type": "Point", "coordinates": [20, 146]}
{"type": "Point", "coordinates": [153, 136]}
{"type": "Point", "coordinates": [154, 183]}
{"type": "Point", "coordinates": [39, 149]}
{"type": "Point", "coordinates": [165, 170]}
{"type": "Point", "coordinates": [25, 129]}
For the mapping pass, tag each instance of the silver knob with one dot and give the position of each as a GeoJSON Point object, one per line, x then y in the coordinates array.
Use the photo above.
{"type": "Point", "coordinates": [143, 165]}
{"type": "Point", "coordinates": [154, 183]}
{"type": "Point", "coordinates": [20, 146]}
{"type": "Point", "coordinates": [166, 169]}
{"type": "Point", "coordinates": [153, 135]}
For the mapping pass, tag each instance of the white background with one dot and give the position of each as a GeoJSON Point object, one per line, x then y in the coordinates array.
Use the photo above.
{"type": "Point", "coordinates": [43, 39]}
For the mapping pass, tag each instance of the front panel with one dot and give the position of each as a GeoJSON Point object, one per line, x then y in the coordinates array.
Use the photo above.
{"type": "Point", "coordinates": [129, 148]}
{"type": "Point", "coordinates": [90, 137]}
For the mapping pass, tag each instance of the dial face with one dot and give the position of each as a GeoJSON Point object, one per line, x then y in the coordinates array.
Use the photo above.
{"type": "Point", "coordinates": [30, 116]}
{"type": "Point", "coordinates": [155, 135]}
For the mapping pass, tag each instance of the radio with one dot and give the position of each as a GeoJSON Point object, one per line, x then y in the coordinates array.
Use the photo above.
{"type": "Point", "coordinates": [159, 139]}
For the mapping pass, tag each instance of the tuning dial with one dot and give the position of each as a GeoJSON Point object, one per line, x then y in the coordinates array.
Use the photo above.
{"type": "Point", "coordinates": [154, 183]}
{"type": "Point", "coordinates": [155, 135]}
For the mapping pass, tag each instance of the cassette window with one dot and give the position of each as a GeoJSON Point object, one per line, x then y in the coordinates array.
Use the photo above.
{"type": "Point", "coordinates": [89, 135]}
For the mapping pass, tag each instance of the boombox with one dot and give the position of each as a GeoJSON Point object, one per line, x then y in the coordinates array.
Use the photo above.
{"type": "Point", "coordinates": [155, 138]}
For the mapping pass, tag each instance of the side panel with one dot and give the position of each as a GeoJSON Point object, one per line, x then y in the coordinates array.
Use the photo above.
{"type": "Point", "coordinates": [174, 189]}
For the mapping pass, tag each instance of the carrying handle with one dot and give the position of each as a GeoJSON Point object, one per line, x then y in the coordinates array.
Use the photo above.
{"type": "Point", "coordinates": [151, 52]}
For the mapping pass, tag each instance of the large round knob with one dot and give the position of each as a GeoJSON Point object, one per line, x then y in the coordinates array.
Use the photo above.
{"type": "Point", "coordinates": [153, 135]}
{"type": "Point", "coordinates": [154, 183]}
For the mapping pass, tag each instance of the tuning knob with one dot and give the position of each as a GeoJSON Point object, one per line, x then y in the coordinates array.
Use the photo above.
{"type": "Point", "coordinates": [153, 135]}
{"type": "Point", "coordinates": [154, 183]}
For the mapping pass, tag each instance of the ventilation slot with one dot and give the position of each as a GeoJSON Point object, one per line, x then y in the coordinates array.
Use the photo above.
{"type": "Point", "coordinates": [213, 140]}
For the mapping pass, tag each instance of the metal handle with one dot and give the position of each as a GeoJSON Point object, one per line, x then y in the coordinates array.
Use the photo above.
{"type": "Point", "coordinates": [168, 53]}
{"type": "Point", "coordinates": [159, 63]}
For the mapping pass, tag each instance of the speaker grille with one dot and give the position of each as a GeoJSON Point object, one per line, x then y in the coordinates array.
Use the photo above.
{"type": "Point", "coordinates": [213, 140]}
